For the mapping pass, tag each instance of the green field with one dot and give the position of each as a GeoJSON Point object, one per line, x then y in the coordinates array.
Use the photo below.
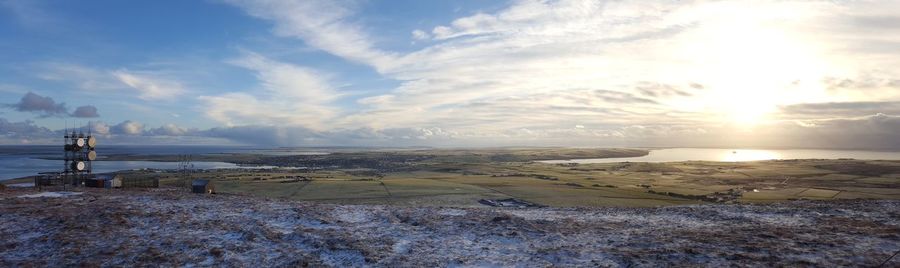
{"type": "Point", "coordinates": [463, 177]}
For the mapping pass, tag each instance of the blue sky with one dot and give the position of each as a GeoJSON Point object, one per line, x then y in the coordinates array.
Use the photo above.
{"type": "Point", "coordinates": [453, 73]}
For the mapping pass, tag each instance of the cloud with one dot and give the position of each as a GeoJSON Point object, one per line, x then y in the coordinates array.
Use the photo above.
{"type": "Point", "coordinates": [266, 135]}
{"type": "Point", "coordinates": [529, 51]}
{"type": "Point", "coordinates": [636, 73]}
{"type": "Point", "coordinates": [420, 35]}
{"type": "Point", "coordinates": [300, 136]}
{"type": "Point", "coordinates": [653, 90]}
{"type": "Point", "coordinates": [289, 94]}
{"type": "Point", "coordinates": [839, 109]}
{"type": "Point", "coordinates": [878, 131]}
{"type": "Point", "coordinates": [128, 127]}
{"type": "Point", "coordinates": [321, 24]}
{"type": "Point", "coordinates": [45, 106]}
{"type": "Point", "coordinates": [31, 14]}
{"type": "Point", "coordinates": [100, 128]}
{"type": "Point", "coordinates": [534, 64]}
{"type": "Point", "coordinates": [25, 129]}
{"type": "Point", "coordinates": [148, 86]}
{"type": "Point", "coordinates": [171, 130]}
{"type": "Point", "coordinates": [83, 77]}
{"type": "Point", "coordinates": [86, 111]}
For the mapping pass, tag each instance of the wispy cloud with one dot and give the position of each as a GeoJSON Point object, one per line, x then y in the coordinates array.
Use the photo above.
{"type": "Point", "coordinates": [148, 86]}
{"type": "Point", "coordinates": [30, 14]}
{"type": "Point", "coordinates": [537, 64]}
{"type": "Point", "coordinates": [288, 94]}
{"type": "Point", "coordinates": [621, 72]}
{"type": "Point", "coordinates": [322, 24]}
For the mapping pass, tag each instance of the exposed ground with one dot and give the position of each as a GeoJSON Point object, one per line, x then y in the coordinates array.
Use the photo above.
{"type": "Point", "coordinates": [167, 227]}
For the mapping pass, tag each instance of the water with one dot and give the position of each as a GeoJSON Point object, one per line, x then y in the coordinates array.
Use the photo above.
{"type": "Point", "coordinates": [738, 155]}
{"type": "Point", "coordinates": [18, 161]}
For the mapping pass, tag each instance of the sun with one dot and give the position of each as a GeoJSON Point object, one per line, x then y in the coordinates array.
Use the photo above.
{"type": "Point", "coordinates": [750, 113]}
{"type": "Point", "coordinates": [753, 66]}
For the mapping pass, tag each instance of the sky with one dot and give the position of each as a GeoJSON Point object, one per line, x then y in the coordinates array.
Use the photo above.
{"type": "Point", "coordinates": [593, 73]}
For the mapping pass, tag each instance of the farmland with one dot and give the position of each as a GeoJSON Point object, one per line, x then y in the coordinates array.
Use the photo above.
{"type": "Point", "coordinates": [463, 177]}
{"type": "Point", "coordinates": [430, 208]}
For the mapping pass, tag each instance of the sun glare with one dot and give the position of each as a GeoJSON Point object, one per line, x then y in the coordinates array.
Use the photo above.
{"type": "Point", "coordinates": [752, 65]}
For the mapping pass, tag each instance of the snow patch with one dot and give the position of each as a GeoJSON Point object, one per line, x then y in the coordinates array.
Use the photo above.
{"type": "Point", "coordinates": [351, 215]}
{"type": "Point", "coordinates": [21, 185]}
{"type": "Point", "coordinates": [343, 258]}
{"type": "Point", "coordinates": [282, 227]}
{"type": "Point", "coordinates": [50, 194]}
{"type": "Point", "coordinates": [452, 212]}
{"type": "Point", "coordinates": [401, 246]}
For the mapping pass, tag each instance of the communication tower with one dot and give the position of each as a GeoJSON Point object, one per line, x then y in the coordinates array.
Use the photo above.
{"type": "Point", "coordinates": [79, 154]}
{"type": "Point", "coordinates": [186, 170]}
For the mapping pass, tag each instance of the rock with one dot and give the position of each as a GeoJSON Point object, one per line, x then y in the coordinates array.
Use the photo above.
{"type": "Point", "coordinates": [218, 252]}
{"type": "Point", "coordinates": [501, 218]}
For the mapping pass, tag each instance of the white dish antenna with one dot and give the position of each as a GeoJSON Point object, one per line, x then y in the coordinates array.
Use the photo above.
{"type": "Point", "coordinates": [91, 141]}
{"type": "Point", "coordinates": [78, 165]}
{"type": "Point", "coordinates": [80, 142]}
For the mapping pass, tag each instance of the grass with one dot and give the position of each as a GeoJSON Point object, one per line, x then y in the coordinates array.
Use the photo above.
{"type": "Point", "coordinates": [462, 177]}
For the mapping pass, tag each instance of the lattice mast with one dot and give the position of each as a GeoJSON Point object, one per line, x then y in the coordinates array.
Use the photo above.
{"type": "Point", "coordinates": [79, 156]}
{"type": "Point", "coordinates": [186, 170]}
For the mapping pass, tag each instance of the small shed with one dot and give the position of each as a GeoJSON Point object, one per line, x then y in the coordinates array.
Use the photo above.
{"type": "Point", "coordinates": [104, 181]}
{"type": "Point", "coordinates": [202, 186]}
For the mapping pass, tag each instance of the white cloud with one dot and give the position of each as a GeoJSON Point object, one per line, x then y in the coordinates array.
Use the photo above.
{"type": "Point", "coordinates": [289, 94]}
{"type": "Point", "coordinates": [282, 80]}
{"type": "Point", "coordinates": [420, 35]}
{"type": "Point", "coordinates": [321, 23]}
{"type": "Point", "coordinates": [148, 86]}
{"type": "Point", "coordinates": [128, 127]}
{"type": "Point", "coordinates": [100, 128]}
{"type": "Point", "coordinates": [627, 69]}
{"type": "Point", "coordinates": [170, 130]}
{"type": "Point", "coordinates": [83, 77]}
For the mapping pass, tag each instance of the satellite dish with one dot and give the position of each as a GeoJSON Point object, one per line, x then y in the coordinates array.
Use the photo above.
{"type": "Point", "coordinates": [78, 165]}
{"type": "Point", "coordinates": [79, 142]}
{"type": "Point", "coordinates": [91, 141]}
{"type": "Point", "coordinates": [92, 155]}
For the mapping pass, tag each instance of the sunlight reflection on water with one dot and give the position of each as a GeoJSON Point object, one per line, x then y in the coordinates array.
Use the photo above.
{"type": "Point", "coordinates": [738, 155]}
{"type": "Point", "coordinates": [748, 155]}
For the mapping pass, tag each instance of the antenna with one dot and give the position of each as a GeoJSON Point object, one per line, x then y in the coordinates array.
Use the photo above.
{"type": "Point", "coordinates": [79, 154]}
{"type": "Point", "coordinates": [186, 169]}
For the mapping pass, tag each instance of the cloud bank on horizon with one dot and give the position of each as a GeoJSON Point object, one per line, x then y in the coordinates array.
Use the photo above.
{"type": "Point", "coordinates": [455, 73]}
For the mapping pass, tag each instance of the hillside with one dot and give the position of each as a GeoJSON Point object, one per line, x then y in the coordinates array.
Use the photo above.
{"type": "Point", "coordinates": [171, 228]}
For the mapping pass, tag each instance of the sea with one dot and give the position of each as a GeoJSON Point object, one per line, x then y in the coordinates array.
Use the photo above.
{"type": "Point", "coordinates": [739, 155]}
{"type": "Point", "coordinates": [18, 161]}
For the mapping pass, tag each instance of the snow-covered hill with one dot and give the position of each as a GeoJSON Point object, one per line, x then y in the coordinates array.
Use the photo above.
{"type": "Point", "coordinates": [166, 227]}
